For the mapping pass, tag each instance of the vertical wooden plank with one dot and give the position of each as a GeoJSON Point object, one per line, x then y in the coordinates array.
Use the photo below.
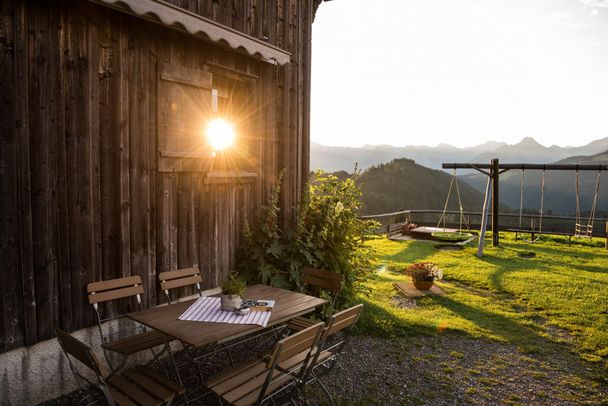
{"type": "Point", "coordinates": [72, 112]}
{"type": "Point", "coordinates": [305, 145]}
{"type": "Point", "coordinates": [80, 150]}
{"type": "Point", "coordinates": [123, 100]}
{"type": "Point", "coordinates": [109, 128]}
{"type": "Point", "coordinates": [184, 190]}
{"type": "Point", "coordinates": [38, 119]}
{"type": "Point", "coordinates": [8, 186]}
{"type": "Point", "coordinates": [56, 127]}
{"type": "Point", "coordinates": [15, 328]}
{"type": "Point", "coordinates": [139, 173]}
{"type": "Point", "coordinates": [93, 197]}
{"type": "Point", "coordinates": [152, 147]}
{"type": "Point", "coordinates": [61, 214]}
{"type": "Point", "coordinates": [202, 227]}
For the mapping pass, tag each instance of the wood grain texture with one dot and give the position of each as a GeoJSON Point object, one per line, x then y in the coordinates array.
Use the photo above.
{"type": "Point", "coordinates": [198, 334]}
{"type": "Point", "coordinates": [85, 194]}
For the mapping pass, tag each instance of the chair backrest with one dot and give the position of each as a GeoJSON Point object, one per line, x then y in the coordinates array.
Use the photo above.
{"type": "Point", "coordinates": [290, 356]}
{"type": "Point", "coordinates": [342, 320]}
{"type": "Point", "coordinates": [78, 350]}
{"type": "Point", "coordinates": [332, 281]}
{"type": "Point", "coordinates": [179, 279]}
{"type": "Point", "coordinates": [113, 289]}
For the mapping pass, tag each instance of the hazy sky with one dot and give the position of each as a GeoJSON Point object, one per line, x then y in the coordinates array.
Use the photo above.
{"type": "Point", "coordinates": [413, 72]}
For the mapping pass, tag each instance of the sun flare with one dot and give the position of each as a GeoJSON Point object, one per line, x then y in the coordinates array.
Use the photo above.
{"type": "Point", "coordinates": [220, 134]}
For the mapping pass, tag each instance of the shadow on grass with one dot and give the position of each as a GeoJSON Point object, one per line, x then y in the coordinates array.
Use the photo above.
{"type": "Point", "coordinates": [409, 253]}
{"type": "Point", "coordinates": [527, 338]}
{"type": "Point", "coordinates": [504, 266]}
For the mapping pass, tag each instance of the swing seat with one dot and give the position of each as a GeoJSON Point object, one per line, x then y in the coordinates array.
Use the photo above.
{"type": "Point", "coordinates": [454, 236]}
{"type": "Point", "coordinates": [583, 231]}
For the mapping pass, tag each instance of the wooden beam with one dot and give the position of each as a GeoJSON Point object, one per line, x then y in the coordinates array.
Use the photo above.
{"type": "Point", "coordinates": [495, 202]}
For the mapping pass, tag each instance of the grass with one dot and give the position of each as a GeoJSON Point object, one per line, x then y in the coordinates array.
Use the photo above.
{"type": "Point", "coordinates": [555, 302]}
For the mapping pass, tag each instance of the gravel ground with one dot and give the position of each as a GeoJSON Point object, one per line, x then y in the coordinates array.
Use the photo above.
{"type": "Point", "coordinates": [438, 370]}
{"type": "Point", "coordinates": [452, 370]}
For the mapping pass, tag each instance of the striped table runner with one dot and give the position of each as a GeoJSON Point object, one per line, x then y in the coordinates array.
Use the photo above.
{"type": "Point", "coordinates": [209, 309]}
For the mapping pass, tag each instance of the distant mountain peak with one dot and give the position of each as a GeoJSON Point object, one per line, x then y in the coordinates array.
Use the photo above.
{"type": "Point", "coordinates": [528, 142]}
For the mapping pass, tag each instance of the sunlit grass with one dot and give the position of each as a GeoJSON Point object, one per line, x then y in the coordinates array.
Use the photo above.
{"type": "Point", "coordinates": [556, 301]}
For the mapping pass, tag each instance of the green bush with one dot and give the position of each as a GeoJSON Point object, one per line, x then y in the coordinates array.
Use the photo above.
{"type": "Point", "coordinates": [327, 234]}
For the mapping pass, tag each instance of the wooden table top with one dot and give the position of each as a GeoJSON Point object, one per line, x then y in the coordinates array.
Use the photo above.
{"type": "Point", "coordinates": [197, 334]}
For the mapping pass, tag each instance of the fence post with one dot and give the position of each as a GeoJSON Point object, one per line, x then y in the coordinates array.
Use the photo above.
{"type": "Point", "coordinates": [388, 227]}
{"type": "Point", "coordinates": [606, 235]}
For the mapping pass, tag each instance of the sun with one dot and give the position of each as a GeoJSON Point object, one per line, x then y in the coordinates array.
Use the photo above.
{"type": "Point", "coordinates": [220, 134]}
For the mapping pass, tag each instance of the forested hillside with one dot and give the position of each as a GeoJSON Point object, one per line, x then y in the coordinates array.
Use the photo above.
{"type": "Point", "coordinates": [403, 184]}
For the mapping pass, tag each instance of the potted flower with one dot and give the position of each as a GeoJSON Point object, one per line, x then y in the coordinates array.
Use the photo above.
{"type": "Point", "coordinates": [424, 274]}
{"type": "Point", "coordinates": [232, 289]}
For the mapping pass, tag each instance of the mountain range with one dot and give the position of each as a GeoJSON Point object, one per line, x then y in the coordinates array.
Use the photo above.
{"type": "Point", "coordinates": [333, 159]}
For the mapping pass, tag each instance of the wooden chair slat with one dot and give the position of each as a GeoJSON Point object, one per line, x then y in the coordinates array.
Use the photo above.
{"type": "Point", "coordinates": [253, 368]}
{"type": "Point", "coordinates": [300, 348]}
{"type": "Point", "coordinates": [181, 282]}
{"type": "Point", "coordinates": [300, 323]}
{"type": "Point", "coordinates": [233, 379]}
{"type": "Point", "coordinates": [334, 286]}
{"type": "Point", "coordinates": [245, 385]}
{"type": "Point", "coordinates": [149, 385]}
{"type": "Point", "coordinates": [161, 379]}
{"type": "Point", "coordinates": [253, 396]}
{"type": "Point", "coordinates": [344, 319]}
{"type": "Point", "coordinates": [297, 343]}
{"type": "Point", "coordinates": [114, 284]}
{"type": "Point", "coordinates": [178, 273]}
{"type": "Point", "coordinates": [139, 342]}
{"type": "Point", "coordinates": [132, 391]}
{"type": "Point", "coordinates": [321, 274]}
{"type": "Point", "coordinates": [120, 399]}
{"type": "Point", "coordinates": [341, 325]}
{"type": "Point", "coordinates": [115, 294]}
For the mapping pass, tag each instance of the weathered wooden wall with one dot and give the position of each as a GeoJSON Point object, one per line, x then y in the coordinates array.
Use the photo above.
{"type": "Point", "coordinates": [81, 196]}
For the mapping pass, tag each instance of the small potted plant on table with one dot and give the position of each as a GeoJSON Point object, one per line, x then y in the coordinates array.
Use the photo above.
{"type": "Point", "coordinates": [232, 289]}
{"type": "Point", "coordinates": [424, 274]}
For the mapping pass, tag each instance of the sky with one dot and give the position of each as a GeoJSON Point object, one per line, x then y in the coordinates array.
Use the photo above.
{"type": "Point", "coordinates": [460, 72]}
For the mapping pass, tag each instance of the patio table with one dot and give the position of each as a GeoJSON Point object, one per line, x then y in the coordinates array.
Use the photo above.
{"type": "Point", "coordinates": [197, 334]}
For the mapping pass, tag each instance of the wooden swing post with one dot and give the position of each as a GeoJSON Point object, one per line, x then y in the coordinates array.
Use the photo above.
{"type": "Point", "coordinates": [495, 173]}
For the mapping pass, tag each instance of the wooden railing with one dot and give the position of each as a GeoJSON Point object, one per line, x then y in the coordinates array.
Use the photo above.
{"type": "Point", "coordinates": [391, 222]}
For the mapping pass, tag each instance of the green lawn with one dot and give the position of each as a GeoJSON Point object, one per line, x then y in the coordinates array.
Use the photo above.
{"type": "Point", "coordinates": [554, 303]}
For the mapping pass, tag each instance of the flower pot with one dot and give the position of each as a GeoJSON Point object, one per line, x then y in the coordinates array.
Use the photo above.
{"type": "Point", "coordinates": [230, 302]}
{"type": "Point", "coordinates": [423, 285]}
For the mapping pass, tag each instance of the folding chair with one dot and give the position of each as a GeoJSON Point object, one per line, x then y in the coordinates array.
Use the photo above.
{"type": "Point", "coordinates": [180, 278]}
{"type": "Point", "coordinates": [135, 386]}
{"type": "Point", "coordinates": [114, 289]}
{"type": "Point", "coordinates": [259, 381]}
{"type": "Point", "coordinates": [331, 346]}
{"type": "Point", "coordinates": [317, 279]}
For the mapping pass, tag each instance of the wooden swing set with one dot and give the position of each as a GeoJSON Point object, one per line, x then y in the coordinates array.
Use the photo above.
{"type": "Point", "coordinates": [583, 227]}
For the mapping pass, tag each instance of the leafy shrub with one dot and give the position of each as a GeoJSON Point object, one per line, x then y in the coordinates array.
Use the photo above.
{"type": "Point", "coordinates": [261, 255]}
{"type": "Point", "coordinates": [327, 234]}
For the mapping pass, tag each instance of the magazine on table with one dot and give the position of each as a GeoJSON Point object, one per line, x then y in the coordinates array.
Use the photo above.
{"type": "Point", "coordinates": [258, 305]}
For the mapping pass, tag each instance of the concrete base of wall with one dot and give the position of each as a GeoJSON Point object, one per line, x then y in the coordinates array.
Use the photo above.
{"type": "Point", "coordinates": [31, 375]}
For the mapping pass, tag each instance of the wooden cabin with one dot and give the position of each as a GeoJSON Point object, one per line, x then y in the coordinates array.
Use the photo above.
{"type": "Point", "coordinates": [105, 170]}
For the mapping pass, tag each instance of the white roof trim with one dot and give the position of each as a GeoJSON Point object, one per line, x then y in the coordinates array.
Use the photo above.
{"type": "Point", "coordinates": [183, 20]}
